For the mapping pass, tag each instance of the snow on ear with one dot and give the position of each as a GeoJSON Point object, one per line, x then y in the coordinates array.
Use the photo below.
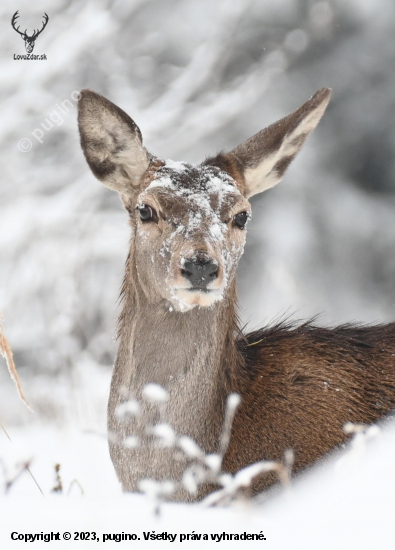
{"type": "Point", "coordinates": [111, 142]}
{"type": "Point", "coordinates": [265, 157]}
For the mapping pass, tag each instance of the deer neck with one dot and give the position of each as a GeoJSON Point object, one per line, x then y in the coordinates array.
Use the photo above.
{"type": "Point", "coordinates": [192, 355]}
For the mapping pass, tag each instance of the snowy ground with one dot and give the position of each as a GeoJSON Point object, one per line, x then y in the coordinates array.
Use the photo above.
{"type": "Point", "coordinates": [347, 503]}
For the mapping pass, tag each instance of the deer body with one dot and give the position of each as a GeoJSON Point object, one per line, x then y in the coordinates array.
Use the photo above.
{"type": "Point", "coordinates": [178, 328]}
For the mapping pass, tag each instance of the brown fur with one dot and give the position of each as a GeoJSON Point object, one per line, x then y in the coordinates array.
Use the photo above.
{"type": "Point", "coordinates": [299, 384]}
{"type": "Point", "coordinates": [304, 383]}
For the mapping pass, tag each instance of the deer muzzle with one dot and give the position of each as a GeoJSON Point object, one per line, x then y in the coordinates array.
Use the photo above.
{"type": "Point", "coordinates": [200, 271]}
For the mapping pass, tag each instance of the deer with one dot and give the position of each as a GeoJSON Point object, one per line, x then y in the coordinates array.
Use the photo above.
{"type": "Point", "coordinates": [298, 383]}
{"type": "Point", "coordinates": [30, 41]}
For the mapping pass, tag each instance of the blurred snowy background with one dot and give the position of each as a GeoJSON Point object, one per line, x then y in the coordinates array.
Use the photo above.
{"type": "Point", "coordinates": [197, 76]}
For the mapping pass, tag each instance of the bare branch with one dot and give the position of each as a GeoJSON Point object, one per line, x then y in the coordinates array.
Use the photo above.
{"type": "Point", "coordinates": [6, 352]}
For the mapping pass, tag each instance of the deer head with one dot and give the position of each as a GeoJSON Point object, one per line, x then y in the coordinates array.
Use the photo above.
{"type": "Point", "coordinates": [188, 220]}
{"type": "Point", "coordinates": [29, 40]}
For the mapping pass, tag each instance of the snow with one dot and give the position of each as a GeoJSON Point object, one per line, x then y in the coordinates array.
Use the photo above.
{"type": "Point", "coordinates": [165, 434]}
{"type": "Point", "coordinates": [329, 507]}
{"type": "Point", "coordinates": [127, 409]}
{"type": "Point", "coordinates": [155, 393]}
{"type": "Point", "coordinates": [320, 242]}
{"type": "Point", "coordinates": [190, 448]}
{"type": "Point", "coordinates": [233, 401]}
{"type": "Point", "coordinates": [164, 181]}
{"type": "Point", "coordinates": [216, 231]}
{"type": "Point", "coordinates": [131, 442]}
{"type": "Point", "coordinates": [214, 462]}
{"type": "Point", "coordinates": [176, 165]}
{"type": "Point", "coordinates": [155, 490]}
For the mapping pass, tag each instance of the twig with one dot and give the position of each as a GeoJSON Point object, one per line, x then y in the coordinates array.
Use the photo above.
{"type": "Point", "coordinates": [76, 482]}
{"type": "Point", "coordinates": [58, 488]}
{"type": "Point", "coordinates": [27, 467]}
{"type": "Point", "coordinates": [6, 352]}
{"type": "Point", "coordinates": [285, 470]}
{"type": "Point", "coordinates": [10, 483]}
{"type": "Point", "coordinates": [232, 403]}
{"type": "Point", "coordinates": [4, 430]}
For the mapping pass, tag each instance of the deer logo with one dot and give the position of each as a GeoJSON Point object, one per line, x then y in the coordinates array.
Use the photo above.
{"type": "Point", "coordinates": [29, 40]}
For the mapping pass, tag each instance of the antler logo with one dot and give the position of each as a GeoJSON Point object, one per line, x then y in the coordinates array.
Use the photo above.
{"type": "Point", "coordinates": [29, 40]}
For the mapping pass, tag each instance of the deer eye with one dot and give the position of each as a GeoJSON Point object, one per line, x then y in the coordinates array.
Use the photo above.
{"type": "Point", "coordinates": [241, 219]}
{"type": "Point", "coordinates": [147, 213]}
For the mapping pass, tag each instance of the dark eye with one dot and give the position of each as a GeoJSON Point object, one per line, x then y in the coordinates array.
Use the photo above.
{"type": "Point", "coordinates": [241, 219]}
{"type": "Point", "coordinates": [147, 213]}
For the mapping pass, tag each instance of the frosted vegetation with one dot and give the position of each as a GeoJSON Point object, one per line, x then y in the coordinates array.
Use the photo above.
{"type": "Point", "coordinates": [321, 242]}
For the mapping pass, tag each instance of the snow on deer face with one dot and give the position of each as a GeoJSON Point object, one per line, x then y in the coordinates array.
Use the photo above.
{"type": "Point", "coordinates": [190, 234]}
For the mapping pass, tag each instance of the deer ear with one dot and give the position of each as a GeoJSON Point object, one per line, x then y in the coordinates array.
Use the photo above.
{"type": "Point", "coordinates": [111, 142]}
{"type": "Point", "coordinates": [264, 158]}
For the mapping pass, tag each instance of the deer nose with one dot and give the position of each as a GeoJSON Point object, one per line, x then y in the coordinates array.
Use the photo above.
{"type": "Point", "coordinates": [200, 271]}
